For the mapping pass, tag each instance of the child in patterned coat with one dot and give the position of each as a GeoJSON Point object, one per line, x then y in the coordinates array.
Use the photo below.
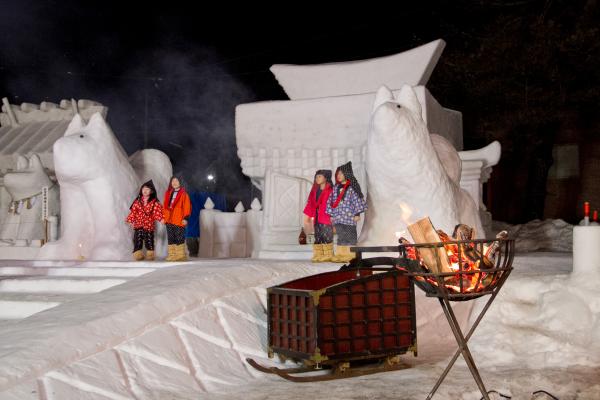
{"type": "Point", "coordinates": [316, 210]}
{"type": "Point", "coordinates": [345, 205]}
{"type": "Point", "coordinates": [144, 212]}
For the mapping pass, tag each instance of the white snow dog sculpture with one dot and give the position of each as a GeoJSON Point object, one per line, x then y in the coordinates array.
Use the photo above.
{"type": "Point", "coordinates": [410, 173]}
{"type": "Point", "coordinates": [97, 186]}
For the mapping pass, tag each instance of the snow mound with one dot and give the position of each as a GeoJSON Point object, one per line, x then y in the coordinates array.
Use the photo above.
{"type": "Point", "coordinates": [539, 235]}
{"type": "Point", "coordinates": [541, 321]}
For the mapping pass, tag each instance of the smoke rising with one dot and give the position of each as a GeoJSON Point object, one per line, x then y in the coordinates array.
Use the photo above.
{"type": "Point", "coordinates": [164, 91]}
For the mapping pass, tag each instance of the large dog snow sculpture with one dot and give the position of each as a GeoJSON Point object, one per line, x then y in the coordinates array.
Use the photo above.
{"type": "Point", "coordinates": [410, 173]}
{"type": "Point", "coordinates": [97, 186]}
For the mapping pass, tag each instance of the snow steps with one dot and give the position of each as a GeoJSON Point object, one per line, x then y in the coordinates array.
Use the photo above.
{"type": "Point", "coordinates": [29, 287]}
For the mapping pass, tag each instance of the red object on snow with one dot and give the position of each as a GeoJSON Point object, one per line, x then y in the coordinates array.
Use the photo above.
{"type": "Point", "coordinates": [586, 209]}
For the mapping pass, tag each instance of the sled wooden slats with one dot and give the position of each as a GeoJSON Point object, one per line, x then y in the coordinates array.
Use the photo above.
{"type": "Point", "coordinates": [343, 315]}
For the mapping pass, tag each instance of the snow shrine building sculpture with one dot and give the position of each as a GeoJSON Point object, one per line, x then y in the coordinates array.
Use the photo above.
{"type": "Point", "coordinates": [27, 135]}
{"type": "Point", "coordinates": [325, 124]}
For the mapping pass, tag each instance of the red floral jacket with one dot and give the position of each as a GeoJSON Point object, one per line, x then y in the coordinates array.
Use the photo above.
{"type": "Point", "coordinates": [143, 215]}
{"type": "Point", "coordinates": [314, 206]}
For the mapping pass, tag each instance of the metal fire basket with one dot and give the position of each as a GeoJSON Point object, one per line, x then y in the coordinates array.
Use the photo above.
{"type": "Point", "coordinates": [467, 283]}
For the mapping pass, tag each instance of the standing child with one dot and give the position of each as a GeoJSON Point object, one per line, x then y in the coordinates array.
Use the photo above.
{"type": "Point", "coordinates": [177, 210]}
{"type": "Point", "coordinates": [345, 206]}
{"type": "Point", "coordinates": [144, 211]}
{"type": "Point", "coordinates": [316, 207]}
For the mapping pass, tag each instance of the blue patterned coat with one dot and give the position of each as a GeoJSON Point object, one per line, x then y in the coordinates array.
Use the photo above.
{"type": "Point", "coordinates": [351, 205]}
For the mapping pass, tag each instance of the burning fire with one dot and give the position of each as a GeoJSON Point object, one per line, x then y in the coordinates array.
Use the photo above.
{"type": "Point", "coordinates": [464, 265]}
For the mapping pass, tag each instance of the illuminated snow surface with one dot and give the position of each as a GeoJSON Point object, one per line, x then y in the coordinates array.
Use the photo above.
{"type": "Point", "coordinates": [182, 332]}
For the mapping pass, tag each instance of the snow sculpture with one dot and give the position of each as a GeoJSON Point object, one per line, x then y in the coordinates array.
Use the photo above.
{"type": "Point", "coordinates": [412, 67]}
{"type": "Point", "coordinates": [24, 219]}
{"type": "Point", "coordinates": [406, 178]}
{"type": "Point", "coordinates": [97, 185]}
{"type": "Point", "coordinates": [326, 123]}
{"type": "Point", "coordinates": [153, 164]}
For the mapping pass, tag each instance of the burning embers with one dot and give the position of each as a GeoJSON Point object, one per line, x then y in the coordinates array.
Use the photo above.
{"type": "Point", "coordinates": [461, 264]}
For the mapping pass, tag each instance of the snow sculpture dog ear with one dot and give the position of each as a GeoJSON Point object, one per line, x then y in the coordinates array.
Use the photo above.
{"type": "Point", "coordinates": [97, 125]}
{"type": "Point", "coordinates": [383, 96]}
{"type": "Point", "coordinates": [408, 98]}
{"type": "Point", "coordinates": [75, 126]}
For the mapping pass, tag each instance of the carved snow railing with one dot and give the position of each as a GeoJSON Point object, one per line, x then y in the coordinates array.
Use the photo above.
{"type": "Point", "coordinates": [229, 234]}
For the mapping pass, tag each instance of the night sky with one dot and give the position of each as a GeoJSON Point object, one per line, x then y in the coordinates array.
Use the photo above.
{"type": "Point", "coordinates": [522, 72]}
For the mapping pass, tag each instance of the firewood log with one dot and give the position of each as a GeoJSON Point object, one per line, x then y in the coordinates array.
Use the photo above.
{"type": "Point", "coordinates": [434, 258]}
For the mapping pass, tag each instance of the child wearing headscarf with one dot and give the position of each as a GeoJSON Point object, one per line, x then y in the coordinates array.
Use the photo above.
{"type": "Point", "coordinates": [345, 205]}
{"type": "Point", "coordinates": [143, 213]}
{"type": "Point", "coordinates": [316, 210]}
{"type": "Point", "coordinates": [177, 211]}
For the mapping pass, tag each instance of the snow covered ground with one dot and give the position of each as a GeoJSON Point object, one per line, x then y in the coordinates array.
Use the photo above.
{"type": "Point", "coordinates": [541, 333]}
{"type": "Point", "coordinates": [183, 333]}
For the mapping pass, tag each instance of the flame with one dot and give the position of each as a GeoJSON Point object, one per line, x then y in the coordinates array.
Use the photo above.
{"type": "Point", "coordinates": [466, 262]}
{"type": "Point", "coordinates": [406, 212]}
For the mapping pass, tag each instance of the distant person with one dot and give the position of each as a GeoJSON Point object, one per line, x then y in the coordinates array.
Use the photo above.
{"type": "Point", "coordinates": [345, 205]}
{"type": "Point", "coordinates": [177, 211]}
{"type": "Point", "coordinates": [315, 209]}
{"type": "Point", "coordinates": [143, 213]}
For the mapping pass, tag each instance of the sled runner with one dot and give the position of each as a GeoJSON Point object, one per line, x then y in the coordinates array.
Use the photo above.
{"type": "Point", "coordinates": [351, 322]}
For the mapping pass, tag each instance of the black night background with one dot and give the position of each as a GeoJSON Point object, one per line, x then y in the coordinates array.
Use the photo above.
{"type": "Point", "coordinates": [525, 73]}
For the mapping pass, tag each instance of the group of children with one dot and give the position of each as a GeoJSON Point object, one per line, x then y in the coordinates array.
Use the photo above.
{"type": "Point", "coordinates": [174, 213]}
{"type": "Point", "coordinates": [330, 207]}
{"type": "Point", "coordinates": [335, 207]}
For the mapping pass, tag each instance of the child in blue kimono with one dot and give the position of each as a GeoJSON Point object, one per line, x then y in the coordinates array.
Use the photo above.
{"type": "Point", "coordinates": [345, 205]}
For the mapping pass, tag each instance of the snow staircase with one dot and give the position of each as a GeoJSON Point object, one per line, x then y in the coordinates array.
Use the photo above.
{"type": "Point", "coordinates": [29, 287]}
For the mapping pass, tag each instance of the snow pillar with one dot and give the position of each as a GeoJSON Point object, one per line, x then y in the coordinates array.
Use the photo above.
{"type": "Point", "coordinates": [53, 228]}
{"type": "Point", "coordinates": [10, 112]}
{"type": "Point", "coordinates": [586, 250]}
{"type": "Point", "coordinates": [207, 229]}
{"type": "Point", "coordinates": [253, 222]}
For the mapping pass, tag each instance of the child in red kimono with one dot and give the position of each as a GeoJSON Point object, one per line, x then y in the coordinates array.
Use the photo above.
{"type": "Point", "coordinates": [316, 207]}
{"type": "Point", "coordinates": [144, 212]}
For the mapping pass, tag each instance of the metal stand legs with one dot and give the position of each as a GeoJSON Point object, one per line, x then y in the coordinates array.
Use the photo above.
{"type": "Point", "coordinates": [462, 345]}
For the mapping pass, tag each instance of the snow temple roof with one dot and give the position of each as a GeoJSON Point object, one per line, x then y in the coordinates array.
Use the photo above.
{"type": "Point", "coordinates": [31, 128]}
{"type": "Point", "coordinates": [412, 67]}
